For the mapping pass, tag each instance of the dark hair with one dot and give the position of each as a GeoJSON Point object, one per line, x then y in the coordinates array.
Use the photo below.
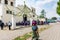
{"type": "Point", "coordinates": [34, 22]}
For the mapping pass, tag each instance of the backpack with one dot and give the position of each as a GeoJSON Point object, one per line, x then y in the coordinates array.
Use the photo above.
{"type": "Point", "coordinates": [34, 28]}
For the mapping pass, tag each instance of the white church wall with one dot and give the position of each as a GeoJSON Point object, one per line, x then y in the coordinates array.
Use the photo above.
{"type": "Point", "coordinates": [6, 17]}
{"type": "Point", "coordinates": [1, 11]}
{"type": "Point", "coordinates": [18, 18]}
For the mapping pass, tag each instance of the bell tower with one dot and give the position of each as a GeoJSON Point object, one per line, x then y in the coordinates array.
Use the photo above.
{"type": "Point", "coordinates": [6, 10]}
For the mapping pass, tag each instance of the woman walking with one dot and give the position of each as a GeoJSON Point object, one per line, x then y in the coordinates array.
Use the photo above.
{"type": "Point", "coordinates": [35, 31]}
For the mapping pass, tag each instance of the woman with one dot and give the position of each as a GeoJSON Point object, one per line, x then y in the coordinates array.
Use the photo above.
{"type": "Point", "coordinates": [35, 30]}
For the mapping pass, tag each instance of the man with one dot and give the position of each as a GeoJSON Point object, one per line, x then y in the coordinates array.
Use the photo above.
{"type": "Point", "coordinates": [35, 30]}
{"type": "Point", "coordinates": [1, 24]}
{"type": "Point", "coordinates": [9, 25]}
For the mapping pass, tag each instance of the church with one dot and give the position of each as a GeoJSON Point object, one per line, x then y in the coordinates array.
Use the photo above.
{"type": "Point", "coordinates": [8, 12]}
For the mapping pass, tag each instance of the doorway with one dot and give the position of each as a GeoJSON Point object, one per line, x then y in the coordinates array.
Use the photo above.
{"type": "Point", "coordinates": [24, 17]}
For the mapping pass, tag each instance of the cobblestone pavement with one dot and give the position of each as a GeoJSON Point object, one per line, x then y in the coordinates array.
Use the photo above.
{"type": "Point", "coordinates": [51, 34]}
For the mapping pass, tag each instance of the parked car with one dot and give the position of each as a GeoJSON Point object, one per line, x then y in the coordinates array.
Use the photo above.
{"type": "Point", "coordinates": [51, 21]}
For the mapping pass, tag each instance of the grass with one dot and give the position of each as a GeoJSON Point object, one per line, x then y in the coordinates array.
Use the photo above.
{"type": "Point", "coordinates": [24, 37]}
{"type": "Point", "coordinates": [28, 35]}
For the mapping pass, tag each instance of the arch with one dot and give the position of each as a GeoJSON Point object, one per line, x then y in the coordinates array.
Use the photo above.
{"type": "Point", "coordinates": [24, 17]}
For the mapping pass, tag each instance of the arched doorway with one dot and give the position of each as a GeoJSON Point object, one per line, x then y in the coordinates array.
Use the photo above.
{"type": "Point", "coordinates": [24, 17]}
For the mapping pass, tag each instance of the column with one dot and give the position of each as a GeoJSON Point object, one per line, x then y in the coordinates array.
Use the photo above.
{"type": "Point", "coordinates": [31, 21]}
{"type": "Point", "coordinates": [13, 22]}
{"type": "Point", "coordinates": [13, 18]}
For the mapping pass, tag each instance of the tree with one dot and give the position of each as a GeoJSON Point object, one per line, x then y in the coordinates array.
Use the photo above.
{"type": "Point", "coordinates": [54, 18]}
{"type": "Point", "coordinates": [42, 14]}
{"type": "Point", "coordinates": [58, 7]}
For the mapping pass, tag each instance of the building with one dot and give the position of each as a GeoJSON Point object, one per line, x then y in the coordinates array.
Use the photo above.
{"type": "Point", "coordinates": [24, 13]}
{"type": "Point", "coordinates": [6, 10]}
{"type": "Point", "coordinates": [21, 11]}
{"type": "Point", "coordinates": [14, 14]}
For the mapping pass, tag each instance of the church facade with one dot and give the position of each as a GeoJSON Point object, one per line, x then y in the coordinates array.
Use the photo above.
{"type": "Point", "coordinates": [7, 8]}
{"type": "Point", "coordinates": [8, 12]}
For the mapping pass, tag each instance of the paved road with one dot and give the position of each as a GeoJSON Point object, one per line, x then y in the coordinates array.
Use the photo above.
{"type": "Point", "coordinates": [9, 35]}
{"type": "Point", "coordinates": [51, 34]}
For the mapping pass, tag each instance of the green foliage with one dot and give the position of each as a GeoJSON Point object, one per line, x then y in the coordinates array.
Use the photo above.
{"type": "Point", "coordinates": [58, 8]}
{"type": "Point", "coordinates": [42, 14]}
{"type": "Point", "coordinates": [54, 18]}
{"type": "Point", "coordinates": [24, 37]}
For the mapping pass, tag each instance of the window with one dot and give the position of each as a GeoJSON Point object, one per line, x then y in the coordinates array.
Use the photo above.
{"type": "Point", "coordinates": [33, 15]}
{"type": "Point", "coordinates": [6, 1]}
{"type": "Point", "coordinates": [11, 3]}
{"type": "Point", "coordinates": [10, 12]}
{"type": "Point", "coordinates": [7, 11]}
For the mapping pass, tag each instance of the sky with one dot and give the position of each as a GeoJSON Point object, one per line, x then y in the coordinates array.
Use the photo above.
{"type": "Point", "coordinates": [48, 5]}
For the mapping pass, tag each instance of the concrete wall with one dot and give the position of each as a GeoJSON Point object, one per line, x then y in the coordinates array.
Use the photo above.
{"type": "Point", "coordinates": [7, 17]}
{"type": "Point", "coordinates": [1, 11]}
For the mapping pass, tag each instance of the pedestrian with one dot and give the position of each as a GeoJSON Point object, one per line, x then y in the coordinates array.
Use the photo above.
{"type": "Point", "coordinates": [2, 25]}
{"type": "Point", "coordinates": [9, 25]}
{"type": "Point", "coordinates": [35, 31]}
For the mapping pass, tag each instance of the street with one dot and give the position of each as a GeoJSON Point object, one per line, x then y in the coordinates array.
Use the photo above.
{"type": "Point", "coordinates": [11, 34]}
{"type": "Point", "coordinates": [51, 34]}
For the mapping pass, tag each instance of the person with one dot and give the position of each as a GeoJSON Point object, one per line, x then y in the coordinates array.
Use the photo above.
{"type": "Point", "coordinates": [35, 30]}
{"type": "Point", "coordinates": [1, 24]}
{"type": "Point", "coordinates": [9, 25]}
